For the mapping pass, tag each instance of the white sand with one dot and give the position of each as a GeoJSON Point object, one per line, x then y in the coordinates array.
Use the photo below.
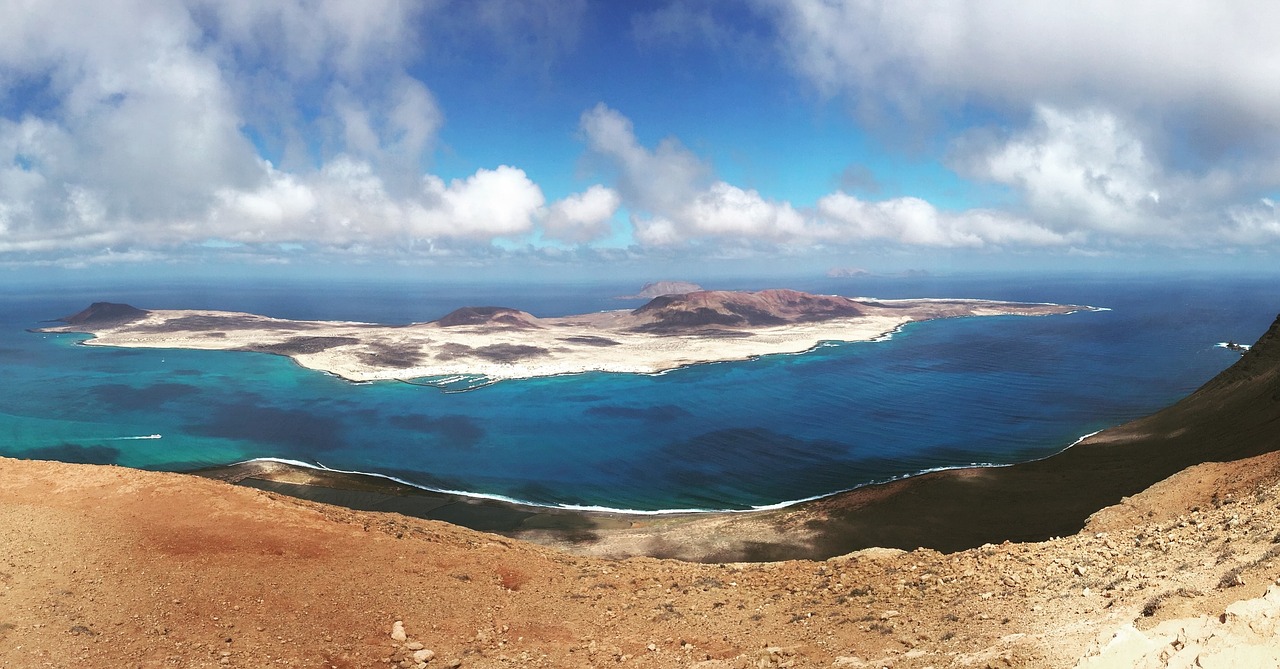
{"type": "Point", "coordinates": [375, 352]}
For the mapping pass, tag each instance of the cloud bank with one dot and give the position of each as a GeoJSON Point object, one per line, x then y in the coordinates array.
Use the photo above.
{"type": "Point", "coordinates": [1122, 121]}
{"type": "Point", "coordinates": [137, 129]}
{"type": "Point", "coordinates": [151, 120]}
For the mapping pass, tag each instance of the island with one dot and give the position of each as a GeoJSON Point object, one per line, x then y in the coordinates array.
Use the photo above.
{"type": "Point", "coordinates": [660, 288]}
{"type": "Point", "coordinates": [1150, 544]}
{"type": "Point", "coordinates": [496, 343]}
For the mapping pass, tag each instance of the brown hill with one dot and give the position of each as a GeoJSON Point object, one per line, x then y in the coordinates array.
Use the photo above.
{"type": "Point", "coordinates": [658, 288]}
{"type": "Point", "coordinates": [722, 308]}
{"type": "Point", "coordinates": [104, 313]}
{"type": "Point", "coordinates": [497, 316]}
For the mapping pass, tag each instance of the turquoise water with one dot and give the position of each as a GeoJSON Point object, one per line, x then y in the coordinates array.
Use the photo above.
{"type": "Point", "coordinates": [719, 436]}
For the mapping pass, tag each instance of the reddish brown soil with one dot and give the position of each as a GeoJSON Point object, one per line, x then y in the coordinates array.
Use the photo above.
{"type": "Point", "coordinates": [109, 567]}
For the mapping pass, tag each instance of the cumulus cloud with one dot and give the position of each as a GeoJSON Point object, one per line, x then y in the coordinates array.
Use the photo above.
{"type": "Point", "coordinates": [142, 139]}
{"type": "Point", "coordinates": [912, 221]}
{"type": "Point", "coordinates": [1013, 52]}
{"type": "Point", "coordinates": [661, 180]}
{"type": "Point", "coordinates": [1159, 126]}
{"type": "Point", "coordinates": [672, 193]}
{"type": "Point", "coordinates": [1253, 223]}
{"type": "Point", "coordinates": [674, 202]}
{"type": "Point", "coordinates": [1082, 169]}
{"type": "Point", "coordinates": [582, 217]}
{"type": "Point", "coordinates": [1090, 174]}
{"type": "Point", "coordinates": [490, 203]}
{"type": "Point", "coordinates": [346, 203]}
{"type": "Point", "coordinates": [143, 123]}
{"type": "Point", "coordinates": [136, 125]}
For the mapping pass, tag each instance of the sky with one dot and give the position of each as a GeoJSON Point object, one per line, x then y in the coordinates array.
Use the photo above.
{"type": "Point", "coordinates": [588, 138]}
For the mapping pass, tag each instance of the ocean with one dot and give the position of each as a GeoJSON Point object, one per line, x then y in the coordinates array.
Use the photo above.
{"type": "Point", "coordinates": [718, 436]}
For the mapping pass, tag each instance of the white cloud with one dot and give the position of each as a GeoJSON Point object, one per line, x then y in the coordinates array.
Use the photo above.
{"type": "Point", "coordinates": [346, 203]}
{"type": "Point", "coordinates": [142, 144]}
{"type": "Point", "coordinates": [661, 180]}
{"type": "Point", "coordinates": [1089, 175]}
{"type": "Point", "coordinates": [392, 127]}
{"type": "Point", "coordinates": [1220, 56]}
{"type": "Point", "coordinates": [657, 231]}
{"type": "Point", "coordinates": [144, 123]}
{"type": "Point", "coordinates": [1083, 169]}
{"type": "Point", "coordinates": [490, 203]}
{"type": "Point", "coordinates": [582, 217]}
{"type": "Point", "coordinates": [1253, 223]}
{"type": "Point", "coordinates": [671, 191]}
{"type": "Point", "coordinates": [674, 202]}
{"type": "Point", "coordinates": [912, 221]}
{"type": "Point", "coordinates": [302, 40]}
{"type": "Point", "coordinates": [724, 210]}
{"type": "Point", "coordinates": [1140, 122]}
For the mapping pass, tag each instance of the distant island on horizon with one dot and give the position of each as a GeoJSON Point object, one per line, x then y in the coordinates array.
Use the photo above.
{"type": "Point", "coordinates": [672, 330]}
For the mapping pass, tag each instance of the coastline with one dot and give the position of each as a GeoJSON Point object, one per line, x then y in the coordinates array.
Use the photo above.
{"type": "Point", "coordinates": [491, 344]}
{"type": "Point", "coordinates": [289, 470]}
{"type": "Point", "coordinates": [285, 473]}
{"type": "Point", "coordinates": [797, 529]}
{"type": "Point", "coordinates": [948, 510]}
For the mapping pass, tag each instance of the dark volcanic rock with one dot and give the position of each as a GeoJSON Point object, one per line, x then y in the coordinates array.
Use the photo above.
{"type": "Point", "coordinates": [508, 352]}
{"type": "Point", "coordinates": [224, 322]}
{"type": "Point", "coordinates": [296, 345]}
{"type": "Point", "coordinates": [105, 313]}
{"type": "Point", "coordinates": [392, 354]}
{"type": "Point", "coordinates": [590, 340]}
{"type": "Point", "coordinates": [718, 308]}
{"type": "Point", "coordinates": [500, 316]}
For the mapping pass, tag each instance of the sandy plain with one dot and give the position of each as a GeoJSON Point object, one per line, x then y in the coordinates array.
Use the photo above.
{"type": "Point", "coordinates": [492, 343]}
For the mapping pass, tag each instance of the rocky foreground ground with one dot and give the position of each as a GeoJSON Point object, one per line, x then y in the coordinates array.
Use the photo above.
{"type": "Point", "coordinates": [110, 567]}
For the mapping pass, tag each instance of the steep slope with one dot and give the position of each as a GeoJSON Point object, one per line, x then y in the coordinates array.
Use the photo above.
{"type": "Point", "coordinates": [110, 567]}
{"type": "Point", "coordinates": [1235, 415]}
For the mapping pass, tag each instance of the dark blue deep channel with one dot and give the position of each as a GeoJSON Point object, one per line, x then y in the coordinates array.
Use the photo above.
{"type": "Point", "coordinates": [720, 436]}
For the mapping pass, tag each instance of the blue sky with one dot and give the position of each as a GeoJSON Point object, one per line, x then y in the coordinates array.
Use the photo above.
{"type": "Point", "coordinates": [567, 136]}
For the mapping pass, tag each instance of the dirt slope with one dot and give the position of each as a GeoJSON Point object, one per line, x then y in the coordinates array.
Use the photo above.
{"type": "Point", "coordinates": [103, 566]}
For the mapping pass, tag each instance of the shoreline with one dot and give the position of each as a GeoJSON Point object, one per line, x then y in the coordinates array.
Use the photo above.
{"type": "Point", "coordinates": [489, 344]}
{"type": "Point", "coordinates": [268, 461]}
{"type": "Point", "coordinates": [947, 510]}
{"type": "Point", "coordinates": [565, 526]}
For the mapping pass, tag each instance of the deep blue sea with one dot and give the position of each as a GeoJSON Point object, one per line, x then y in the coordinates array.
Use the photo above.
{"type": "Point", "coordinates": [717, 436]}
